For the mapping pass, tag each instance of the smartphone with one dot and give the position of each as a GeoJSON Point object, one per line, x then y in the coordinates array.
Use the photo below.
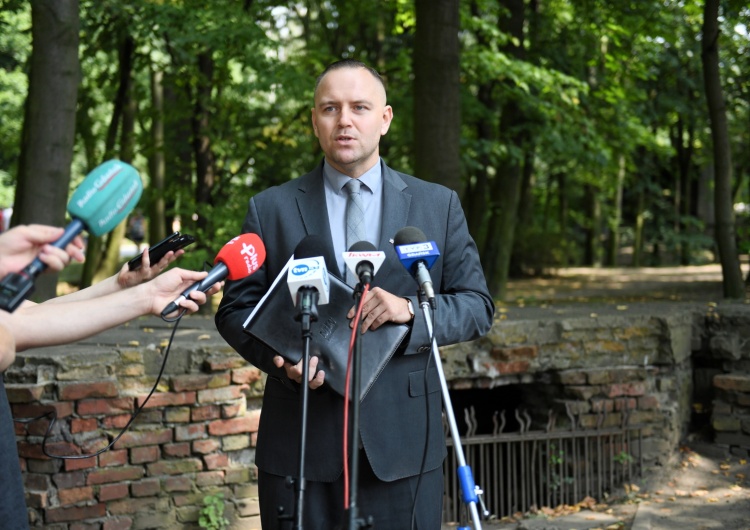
{"type": "Point", "coordinates": [174, 241]}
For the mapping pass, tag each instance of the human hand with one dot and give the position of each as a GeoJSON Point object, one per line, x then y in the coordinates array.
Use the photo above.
{"type": "Point", "coordinates": [127, 278]}
{"type": "Point", "coordinates": [7, 342]}
{"type": "Point", "coordinates": [20, 245]}
{"type": "Point", "coordinates": [168, 287]}
{"type": "Point", "coordinates": [294, 371]}
{"type": "Point", "coordinates": [380, 307]}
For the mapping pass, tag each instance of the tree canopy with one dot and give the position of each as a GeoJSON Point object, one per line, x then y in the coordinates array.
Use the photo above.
{"type": "Point", "coordinates": [576, 131]}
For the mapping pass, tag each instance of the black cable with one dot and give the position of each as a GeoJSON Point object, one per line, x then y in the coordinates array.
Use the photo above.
{"type": "Point", "coordinates": [52, 415]}
{"type": "Point", "coordinates": [427, 430]}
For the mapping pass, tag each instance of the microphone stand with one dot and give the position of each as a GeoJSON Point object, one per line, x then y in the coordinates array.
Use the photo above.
{"type": "Point", "coordinates": [307, 303]}
{"type": "Point", "coordinates": [469, 489]}
{"type": "Point", "coordinates": [354, 522]}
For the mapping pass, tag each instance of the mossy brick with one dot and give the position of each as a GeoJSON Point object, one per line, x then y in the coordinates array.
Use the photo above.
{"type": "Point", "coordinates": [118, 523]}
{"type": "Point", "coordinates": [192, 431]}
{"type": "Point", "coordinates": [146, 488]}
{"type": "Point", "coordinates": [114, 474]}
{"type": "Point", "coordinates": [174, 467]}
{"type": "Point", "coordinates": [24, 393]}
{"type": "Point", "coordinates": [733, 382]}
{"type": "Point", "coordinates": [572, 377]}
{"type": "Point", "coordinates": [88, 389]}
{"type": "Point", "coordinates": [235, 442]}
{"type": "Point", "coordinates": [722, 423]}
{"type": "Point", "coordinates": [219, 395]}
{"type": "Point", "coordinates": [150, 437]}
{"type": "Point", "coordinates": [132, 506]}
{"type": "Point", "coordinates": [182, 383]}
{"type": "Point", "coordinates": [177, 415]}
{"type": "Point", "coordinates": [178, 484]}
{"type": "Point", "coordinates": [74, 513]}
{"type": "Point", "coordinates": [219, 364]}
{"type": "Point", "coordinates": [237, 476]}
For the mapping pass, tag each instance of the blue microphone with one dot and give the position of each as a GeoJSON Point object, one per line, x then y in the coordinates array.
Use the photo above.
{"type": "Point", "coordinates": [417, 255]}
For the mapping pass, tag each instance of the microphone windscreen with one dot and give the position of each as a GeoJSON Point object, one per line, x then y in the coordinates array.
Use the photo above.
{"type": "Point", "coordinates": [409, 235]}
{"type": "Point", "coordinates": [243, 255]}
{"type": "Point", "coordinates": [106, 196]}
{"type": "Point", "coordinates": [363, 246]}
{"type": "Point", "coordinates": [311, 246]}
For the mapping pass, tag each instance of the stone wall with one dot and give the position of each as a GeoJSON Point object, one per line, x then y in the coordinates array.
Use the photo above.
{"type": "Point", "coordinates": [195, 436]}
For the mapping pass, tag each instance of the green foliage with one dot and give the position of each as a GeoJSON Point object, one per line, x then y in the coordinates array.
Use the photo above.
{"type": "Point", "coordinates": [211, 515]}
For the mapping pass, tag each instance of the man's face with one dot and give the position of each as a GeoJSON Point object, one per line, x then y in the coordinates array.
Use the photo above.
{"type": "Point", "coordinates": [349, 117]}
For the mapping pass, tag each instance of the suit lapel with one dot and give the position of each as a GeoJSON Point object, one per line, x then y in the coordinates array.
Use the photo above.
{"type": "Point", "coordinates": [311, 203]}
{"type": "Point", "coordinates": [396, 203]}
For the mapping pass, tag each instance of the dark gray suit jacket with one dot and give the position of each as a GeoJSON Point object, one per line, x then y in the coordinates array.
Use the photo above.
{"type": "Point", "coordinates": [394, 421]}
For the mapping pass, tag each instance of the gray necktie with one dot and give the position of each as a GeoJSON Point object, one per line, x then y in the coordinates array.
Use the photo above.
{"type": "Point", "coordinates": [355, 221]}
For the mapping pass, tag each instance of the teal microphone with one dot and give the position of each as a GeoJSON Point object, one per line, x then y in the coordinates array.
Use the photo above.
{"type": "Point", "coordinates": [105, 197]}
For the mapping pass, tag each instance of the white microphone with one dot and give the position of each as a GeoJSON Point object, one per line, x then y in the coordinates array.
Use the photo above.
{"type": "Point", "coordinates": [364, 260]}
{"type": "Point", "coordinates": [308, 270]}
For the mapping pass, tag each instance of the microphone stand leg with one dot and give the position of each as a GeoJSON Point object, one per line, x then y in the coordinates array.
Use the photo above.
{"type": "Point", "coordinates": [466, 480]}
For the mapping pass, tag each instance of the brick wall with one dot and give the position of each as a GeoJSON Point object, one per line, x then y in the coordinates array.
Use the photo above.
{"type": "Point", "coordinates": [194, 437]}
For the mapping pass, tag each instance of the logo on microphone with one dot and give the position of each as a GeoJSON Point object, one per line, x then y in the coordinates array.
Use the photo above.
{"type": "Point", "coordinates": [250, 255]}
{"type": "Point", "coordinates": [309, 266]}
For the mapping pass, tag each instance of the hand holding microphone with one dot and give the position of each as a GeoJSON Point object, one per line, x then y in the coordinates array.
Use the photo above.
{"type": "Point", "coordinates": [240, 257]}
{"type": "Point", "coordinates": [105, 197]}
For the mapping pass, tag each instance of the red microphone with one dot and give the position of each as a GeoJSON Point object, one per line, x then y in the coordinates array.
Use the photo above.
{"type": "Point", "coordinates": [239, 258]}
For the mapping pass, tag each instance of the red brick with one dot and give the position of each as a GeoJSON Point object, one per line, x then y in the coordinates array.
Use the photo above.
{"type": "Point", "coordinates": [83, 425]}
{"type": "Point", "coordinates": [75, 513]}
{"type": "Point", "coordinates": [177, 415]}
{"type": "Point", "coordinates": [216, 461]}
{"type": "Point", "coordinates": [80, 463]}
{"type": "Point", "coordinates": [24, 393]}
{"type": "Point", "coordinates": [206, 446]}
{"type": "Point", "coordinates": [189, 432]}
{"type": "Point", "coordinates": [108, 492]}
{"type": "Point", "coordinates": [117, 523]}
{"type": "Point", "coordinates": [732, 382]}
{"type": "Point", "coordinates": [518, 353]}
{"type": "Point", "coordinates": [181, 383]}
{"type": "Point", "coordinates": [209, 478]}
{"type": "Point", "coordinates": [209, 412]}
{"type": "Point", "coordinates": [140, 455]}
{"type": "Point", "coordinates": [232, 411]}
{"type": "Point", "coordinates": [246, 375]}
{"type": "Point", "coordinates": [625, 389]}
{"type": "Point", "coordinates": [75, 495]}
{"type": "Point", "coordinates": [233, 426]}
{"type": "Point", "coordinates": [62, 409]}
{"type": "Point", "coordinates": [114, 474]}
{"type": "Point", "coordinates": [178, 484]}
{"type": "Point", "coordinates": [34, 450]}
{"type": "Point", "coordinates": [509, 367]}
{"type": "Point", "coordinates": [181, 449]}
{"type": "Point", "coordinates": [115, 422]}
{"type": "Point", "coordinates": [217, 395]}
{"type": "Point", "coordinates": [36, 481]}
{"type": "Point", "coordinates": [76, 391]}
{"type": "Point", "coordinates": [136, 438]}
{"type": "Point", "coordinates": [146, 488]}
{"type": "Point", "coordinates": [92, 407]}
{"type": "Point", "coordinates": [166, 399]}
{"type": "Point", "coordinates": [113, 457]}
{"type": "Point", "coordinates": [69, 480]}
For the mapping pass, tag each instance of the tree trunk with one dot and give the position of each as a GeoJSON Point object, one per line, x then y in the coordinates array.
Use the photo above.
{"type": "Point", "coordinates": [204, 156]}
{"type": "Point", "coordinates": [49, 122]}
{"type": "Point", "coordinates": [725, 227]}
{"type": "Point", "coordinates": [157, 228]}
{"type": "Point", "coordinates": [506, 188]}
{"type": "Point", "coordinates": [437, 101]}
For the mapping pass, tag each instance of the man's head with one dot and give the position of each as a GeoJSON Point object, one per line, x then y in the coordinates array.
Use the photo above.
{"type": "Point", "coordinates": [350, 115]}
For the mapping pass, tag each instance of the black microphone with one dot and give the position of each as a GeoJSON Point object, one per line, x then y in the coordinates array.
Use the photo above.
{"type": "Point", "coordinates": [418, 255]}
{"type": "Point", "coordinates": [364, 260]}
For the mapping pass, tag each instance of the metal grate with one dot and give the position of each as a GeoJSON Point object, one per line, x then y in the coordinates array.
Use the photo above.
{"type": "Point", "coordinates": [524, 470]}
